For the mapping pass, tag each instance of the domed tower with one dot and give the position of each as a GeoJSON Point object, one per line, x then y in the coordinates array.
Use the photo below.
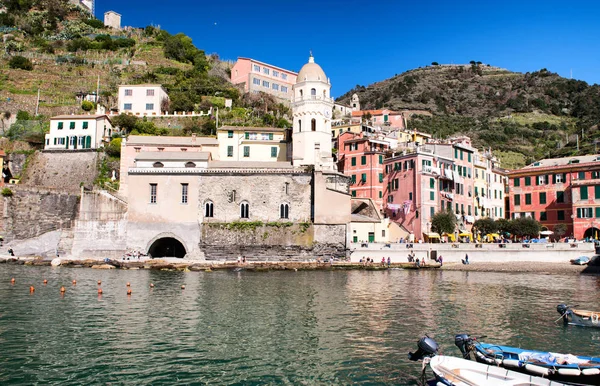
{"type": "Point", "coordinates": [312, 108]}
{"type": "Point", "coordinates": [355, 103]}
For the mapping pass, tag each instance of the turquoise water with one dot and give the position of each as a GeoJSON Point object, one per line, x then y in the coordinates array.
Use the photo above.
{"type": "Point", "coordinates": [328, 327]}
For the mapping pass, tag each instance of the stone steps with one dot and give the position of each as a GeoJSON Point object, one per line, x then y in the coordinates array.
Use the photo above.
{"type": "Point", "coordinates": [65, 245]}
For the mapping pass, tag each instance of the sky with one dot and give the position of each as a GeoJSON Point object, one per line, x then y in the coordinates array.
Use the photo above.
{"type": "Point", "coordinates": [362, 42]}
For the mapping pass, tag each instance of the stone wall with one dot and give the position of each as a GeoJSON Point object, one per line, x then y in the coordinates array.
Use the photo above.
{"type": "Point", "coordinates": [101, 227]}
{"type": "Point", "coordinates": [17, 162]}
{"type": "Point", "coordinates": [269, 242]}
{"type": "Point", "coordinates": [65, 170]}
{"type": "Point", "coordinates": [264, 192]}
{"type": "Point", "coordinates": [32, 211]}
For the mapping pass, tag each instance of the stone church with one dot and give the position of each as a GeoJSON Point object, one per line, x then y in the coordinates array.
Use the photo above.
{"type": "Point", "coordinates": [179, 197]}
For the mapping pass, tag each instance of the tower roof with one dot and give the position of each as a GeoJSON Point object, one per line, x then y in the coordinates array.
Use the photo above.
{"type": "Point", "coordinates": [311, 71]}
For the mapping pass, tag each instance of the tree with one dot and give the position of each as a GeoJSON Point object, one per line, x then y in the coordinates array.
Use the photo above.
{"type": "Point", "coordinates": [443, 222]}
{"type": "Point", "coordinates": [435, 64]}
{"type": "Point", "coordinates": [525, 226]}
{"type": "Point", "coordinates": [125, 122]}
{"type": "Point", "coordinates": [21, 63]}
{"type": "Point", "coordinates": [485, 226]}
{"type": "Point", "coordinates": [503, 225]}
{"type": "Point", "coordinates": [560, 230]}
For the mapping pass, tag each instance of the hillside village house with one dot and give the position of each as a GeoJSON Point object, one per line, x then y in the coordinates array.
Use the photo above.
{"type": "Point", "coordinates": [78, 132]}
{"type": "Point", "coordinates": [260, 144]}
{"type": "Point", "coordinates": [142, 99]}
{"type": "Point", "coordinates": [258, 76]}
{"type": "Point", "coordinates": [135, 145]}
{"type": "Point", "coordinates": [387, 118]}
{"type": "Point", "coordinates": [360, 157]}
{"type": "Point", "coordinates": [559, 191]}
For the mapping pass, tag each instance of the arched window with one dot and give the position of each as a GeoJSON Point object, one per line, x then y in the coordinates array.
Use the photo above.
{"type": "Point", "coordinates": [300, 93]}
{"type": "Point", "coordinates": [158, 165]}
{"type": "Point", "coordinates": [190, 165]}
{"type": "Point", "coordinates": [325, 95]}
{"type": "Point", "coordinates": [208, 209]}
{"type": "Point", "coordinates": [244, 210]}
{"type": "Point", "coordinates": [299, 124]}
{"type": "Point", "coordinates": [284, 211]}
{"type": "Point", "coordinates": [313, 124]}
{"type": "Point", "coordinates": [313, 93]}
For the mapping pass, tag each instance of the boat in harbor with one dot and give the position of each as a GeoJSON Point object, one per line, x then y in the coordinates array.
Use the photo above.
{"type": "Point", "coordinates": [578, 317]}
{"type": "Point", "coordinates": [566, 368]}
{"type": "Point", "coordinates": [452, 371]}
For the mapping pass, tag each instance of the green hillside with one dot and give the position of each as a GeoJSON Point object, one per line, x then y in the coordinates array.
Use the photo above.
{"type": "Point", "coordinates": [526, 116]}
{"type": "Point", "coordinates": [56, 48]}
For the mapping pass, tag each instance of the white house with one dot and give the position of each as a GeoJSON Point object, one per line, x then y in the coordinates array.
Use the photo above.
{"type": "Point", "coordinates": [78, 132]}
{"type": "Point", "coordinates": [142, 99]}
{"type": "Point", "coordinates": [112, 19]}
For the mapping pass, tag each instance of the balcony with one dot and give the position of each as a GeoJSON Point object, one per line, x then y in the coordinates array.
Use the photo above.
{"type": "Point", "coordinates": [312, 98]}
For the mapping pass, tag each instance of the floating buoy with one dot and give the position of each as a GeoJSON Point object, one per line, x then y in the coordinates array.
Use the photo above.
{"type": "Point", "coordinates": [12, 280]}
{"type": "Point", "coordinates": [129, 291]}
{"type": "Point", "coordinates": [99, 291]}
{"type": "Point", "coordinates": [182, 286]}
{"type": "Point", "coordinates": [62, 289]}
{"type": "Point", "coordinates": [99, 282]}
{"type": "Point", "coordinates": [45, 281]}
{"type": "Point", "coordinates": [74, 282]}
{"type": "Point", "coordinates": [151, 285]}
{"type": "Point", "coordinates": [31, 289]}
{"type": "Point", "coordinates": [128, 285]}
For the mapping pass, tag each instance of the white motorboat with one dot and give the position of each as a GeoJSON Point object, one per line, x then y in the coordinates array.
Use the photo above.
{"type": "Point", "coordinates": [461, 372]}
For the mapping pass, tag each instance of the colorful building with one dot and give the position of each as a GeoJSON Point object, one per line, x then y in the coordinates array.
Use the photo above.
{"type": "Point", "coordinates": [142, 99]}
{"type": "Point", "coordinates": [258, 76]}
{"type": "Point", "coordinates": [559, 191]}
{"type": "Point", "coordinates": [422, 180]}
{"type": "Point", "coordinates": [261, 144]}
{"type": "Point", "coordinates": [74, 132]}
{"type": "Point", "coordinates": [384, 117]}
{"type": "Point", "coordinates": [360, 157]}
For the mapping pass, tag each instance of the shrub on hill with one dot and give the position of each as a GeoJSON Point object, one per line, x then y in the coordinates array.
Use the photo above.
{"type": "Point", "coordinates": [95, 23]}
{"type": "Point", "coordinates": [20, 62]}
{"type": "Point", "coordinates": [87, 106]}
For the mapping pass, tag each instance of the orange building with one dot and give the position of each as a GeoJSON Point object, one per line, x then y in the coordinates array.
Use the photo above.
{"type": "Point", "coordinates": [361, 158]}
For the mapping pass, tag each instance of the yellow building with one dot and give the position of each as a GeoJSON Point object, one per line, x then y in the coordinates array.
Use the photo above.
{"type": "Point", "coordinates": [257, 144]}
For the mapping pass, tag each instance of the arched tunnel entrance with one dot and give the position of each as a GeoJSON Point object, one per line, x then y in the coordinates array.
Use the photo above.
{"type": "Point", "coordinates": [167, 247]}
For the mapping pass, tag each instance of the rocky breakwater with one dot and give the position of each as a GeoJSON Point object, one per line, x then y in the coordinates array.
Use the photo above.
{"type": "Point", "coordinates": [190, 265]}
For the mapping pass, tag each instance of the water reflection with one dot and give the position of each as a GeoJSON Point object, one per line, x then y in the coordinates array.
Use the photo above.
{"type": "Point", "coordinates": [278, 327]}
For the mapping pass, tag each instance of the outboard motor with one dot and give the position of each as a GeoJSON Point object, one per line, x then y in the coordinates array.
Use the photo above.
{"type": "Point", "coordinates": [427, 347]}
{"type": "Point", "coordinates": [563, 309]}
{"type": "Point", "coordinates": [462, 341]}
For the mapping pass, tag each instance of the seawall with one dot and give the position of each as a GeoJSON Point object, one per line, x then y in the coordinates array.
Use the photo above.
{"type": "Point", "coordinates": [498, 253]}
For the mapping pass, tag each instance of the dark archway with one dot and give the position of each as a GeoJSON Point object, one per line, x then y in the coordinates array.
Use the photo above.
{"type": "Point", "coordinates": [592, 233]}
{"type": "Point", "coordinates": [167, 247]}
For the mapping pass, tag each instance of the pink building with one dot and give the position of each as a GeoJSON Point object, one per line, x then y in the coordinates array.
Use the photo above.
{"type": "Point", "coordinates": [258, 76]}
{"type": "Point", "coordinates": [426, 179]}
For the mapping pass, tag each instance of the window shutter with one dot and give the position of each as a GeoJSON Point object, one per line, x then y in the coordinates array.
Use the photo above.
{"type": "Point", "coordinates": [554, 178]}
{"type": "Point", "coordinates": [88, 142]}
{"type": "Point", "coordinates": [578, 212]}
{"type": "Point", "coordinates": [564, 178]}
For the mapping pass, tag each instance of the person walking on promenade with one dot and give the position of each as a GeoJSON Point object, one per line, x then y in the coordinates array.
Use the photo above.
{"type": "Point", "coordinates": [440, 260]}
{"type": "Point", "coordinates": [389, 261]}
{"type": "Point", "coordinates": [383, 261]}
{"type": "Point", "coordinates": [422, 261]}
{"type": "Point", "coordinates": [466, 260]}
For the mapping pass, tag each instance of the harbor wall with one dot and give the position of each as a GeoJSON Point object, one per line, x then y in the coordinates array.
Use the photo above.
{"type": "Point", "coordinates": [491, 253]}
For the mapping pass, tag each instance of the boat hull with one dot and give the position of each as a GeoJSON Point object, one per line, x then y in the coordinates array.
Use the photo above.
{"type": "Point", "coordinates": [581, 371]}
{"type": "Point", "coordinates": [453, 371]}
